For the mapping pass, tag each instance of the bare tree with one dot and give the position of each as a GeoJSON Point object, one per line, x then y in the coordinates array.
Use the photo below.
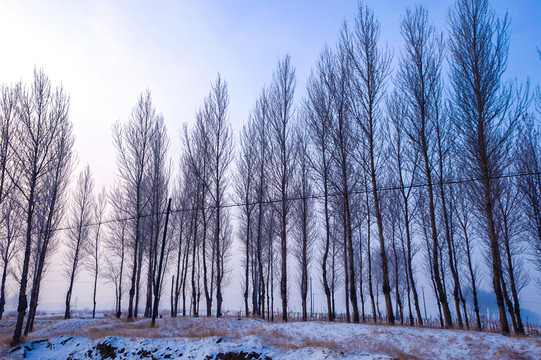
{"type": "Point", "coordinates": [393, 219]}
{"type": "Point", "coordinates": [183, 229]}
{"type": "Point", "coordinates": [510, 226]}
{"type": "Point", "coordinates": [78, 241]}
{"type": "Point", "coordinates": [116, 244]}
{"type": "Point", "coordinates": [199, 159]}
{"type": "Point", "coordinates": [11, 232]}
{"type": "Point", "coordinates": [405, 161]}
{"type": "Point", "coordinates": [221, 155]}
{"type": "Point", "coordinates": [9, 206]}
{"type": "Point", "coordinates": [42, 117]}
{"type": "Point", "coordinates": [133, 143]}
{"type": "Point", "coordinates": [159, 276]}
{"type": "Point", "coordinates": [528, 162]}
{"type": "Point", "coordinates": [467, 233]}
{"type": "Point", "coordinates": [419, 79]}
{"type": "Point", "coordinates": [9, 98]}
{"type": "Point", "coordinates": [49, 213]}
{"type": "Point", "coordinates": [158, 176]}
{"type": "Point", "coordinates": [335, 74]}
{"type": "Point", "coordinates": [444, 144]}
{"type": "Point", "coordinates": [196, 180]}
{"type": "Point", "coordinates": [283, 156]}
{"type": "Point", "coordinates": [198, 156]}
{"type": "Point", "coordinates": [244, 188]}
{"type": "Point", "coordinates": [317, 116]}
{"type": "Point", "coordinates": [93, 265]}
{"type": "Point", "coordinates": [304, 215]}
{"type": "Point", "coordinates": [370, 69]}
{"type": "Point", "coordinates": [368, 214]}
{"type": "Point", "coordinates": [263, 254]}
{"type": "Point", "coordinates": [486, 113]}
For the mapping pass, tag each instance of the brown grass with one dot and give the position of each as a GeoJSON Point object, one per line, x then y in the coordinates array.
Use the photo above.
{"type": "Point", "coordinates": [322, 344]}
{"type": "Point", "coordinates": [6, 340]}
{"type": "Point", "coordinates": [164, 328]}
{"type": "Point", "coordinates": [376, 340]}
{"type": "Point", "coordinates": [505, 352]}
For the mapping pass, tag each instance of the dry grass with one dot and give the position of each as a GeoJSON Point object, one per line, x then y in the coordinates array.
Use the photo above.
{"type": "Point", "coordinates": [505, 352]}
{"type": "Point", "coordinates": [322, 344]}
{"type": "Point", "coordinates": [277, 338]}
{"type": "Point", "coordinates": [373, 340]}
{"type": "Point", "coordinates": [143, 329]}
{"type": "Point", "coordinates": [256, 330]}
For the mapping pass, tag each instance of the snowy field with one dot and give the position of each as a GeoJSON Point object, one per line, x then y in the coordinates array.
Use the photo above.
{"type": "Point", "coordinates": [230, 338]}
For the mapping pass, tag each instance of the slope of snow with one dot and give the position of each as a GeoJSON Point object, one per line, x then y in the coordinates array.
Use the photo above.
{"type": "Point", "coordinates": [229, 338]}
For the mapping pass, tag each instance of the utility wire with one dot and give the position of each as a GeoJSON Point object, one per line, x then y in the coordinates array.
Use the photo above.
{"type": "Point", "coordinates": [294, 198]}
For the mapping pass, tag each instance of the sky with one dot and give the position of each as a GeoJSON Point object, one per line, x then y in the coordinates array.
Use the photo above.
{"type": "Point", "coordinates": [106, 53]}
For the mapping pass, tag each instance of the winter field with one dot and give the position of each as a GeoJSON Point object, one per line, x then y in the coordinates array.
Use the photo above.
{"type": "Point", "coordinates": [234, 338]}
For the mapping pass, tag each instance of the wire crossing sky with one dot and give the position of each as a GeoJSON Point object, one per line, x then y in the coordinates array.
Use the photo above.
{"type": "Point", "coordinates": [106, 53]}
{"type": "Point", "coordinates": [317, 196]}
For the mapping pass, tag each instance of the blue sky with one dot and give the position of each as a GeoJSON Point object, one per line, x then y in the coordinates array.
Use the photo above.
{"type": "Point", "coordinates": [105, 53]}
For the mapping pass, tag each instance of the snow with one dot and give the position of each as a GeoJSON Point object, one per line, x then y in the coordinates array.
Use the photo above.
{"type": "Point", "coordinates": [231, 338]}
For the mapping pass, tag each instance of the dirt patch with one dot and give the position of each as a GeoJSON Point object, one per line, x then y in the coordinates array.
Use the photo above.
{"type": "Point", "coordinates": [143, 353]}
{"type": "Point", "coordinates": [107, 351]}
{"type": "Point", "coordinates": [238, 356]}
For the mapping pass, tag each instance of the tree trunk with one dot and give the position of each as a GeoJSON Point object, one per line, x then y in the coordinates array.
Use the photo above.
{"type": "Point", "coordinates": [219, 299]}
{"type": "Point", "coordinates": [23, 302]}
{"type": "Point", "coordinates": [283, 247]}
{"type": "Point", "coordinates": [435, 260]}
{"type": "Point", "coordinates": [352, 287]}
{"type": "Point", "coordinates": [194, 289]}
{"type": "Point", "coordinates": [208, 296]}
{"type": "Point", "coordinates": [386, 288]}
{"type": "Point", "coordinates": [369, 255]}
{"type": "Point", "coordinates": [326, 251]}
{"type": "Point", "coordinates": [454, 273]}
{"type": "Point", "coordinates": [34, 296]}
{"type": "Point", "coordinates": [119, 304]}
{"type": "Point", "coordinates": [150, 290]}
{"type": "Point", "coordinates": [135, 263]}
{"type": "Point", "coordinates": [247, 264]}
{"type": "Point", "coordinates": [509, 304]}
{"type": "Point", "coordinates": [177, 284]}
{"type": "Point", "coordinates": [138, 284]}
{"type": "Point", "coordinates": [304, 275]}
{"type": "Point", "coordinates": [473, 282]}
{"type": "Point", "coordinates": [361, 292]}
{"type": "Point", "coordinates": [271, 287]}
{"type": "Point", "coordinates": [346, 271]}
{"type": "Point", "coordinates": [160, 267]}
{"type": "Point", "coordinates": [519, 329]}
{"type": "Point", "coordinates": [3, 287]}
{"type": "Point", "coordinates": [67, 313]}
{"type": "Point", "coordinates": [172, 297]}
{"type": "Point", "coordinates": [495, 252]}
{"type": "Point", "coordinates": [398, 300]}
{"type": "Point", "coordinates": [261, 280]}
{"type": "Point", "coordinates": [94, 293]}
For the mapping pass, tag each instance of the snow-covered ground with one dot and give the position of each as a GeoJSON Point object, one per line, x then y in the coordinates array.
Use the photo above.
{"type": "Point", "coordinates": [230, 338]}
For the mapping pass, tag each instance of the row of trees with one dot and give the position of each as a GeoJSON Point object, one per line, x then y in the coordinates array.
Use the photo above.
{"type": "Point", "coordinates": [380, 151]}
{"type": "Point", "coordinates": [358, 182]}
{"type": "Point", "coordinates": [37, 159]}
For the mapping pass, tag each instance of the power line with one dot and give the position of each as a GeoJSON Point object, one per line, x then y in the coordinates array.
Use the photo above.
{"type": "Point", "coordinates": [294, 198]}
